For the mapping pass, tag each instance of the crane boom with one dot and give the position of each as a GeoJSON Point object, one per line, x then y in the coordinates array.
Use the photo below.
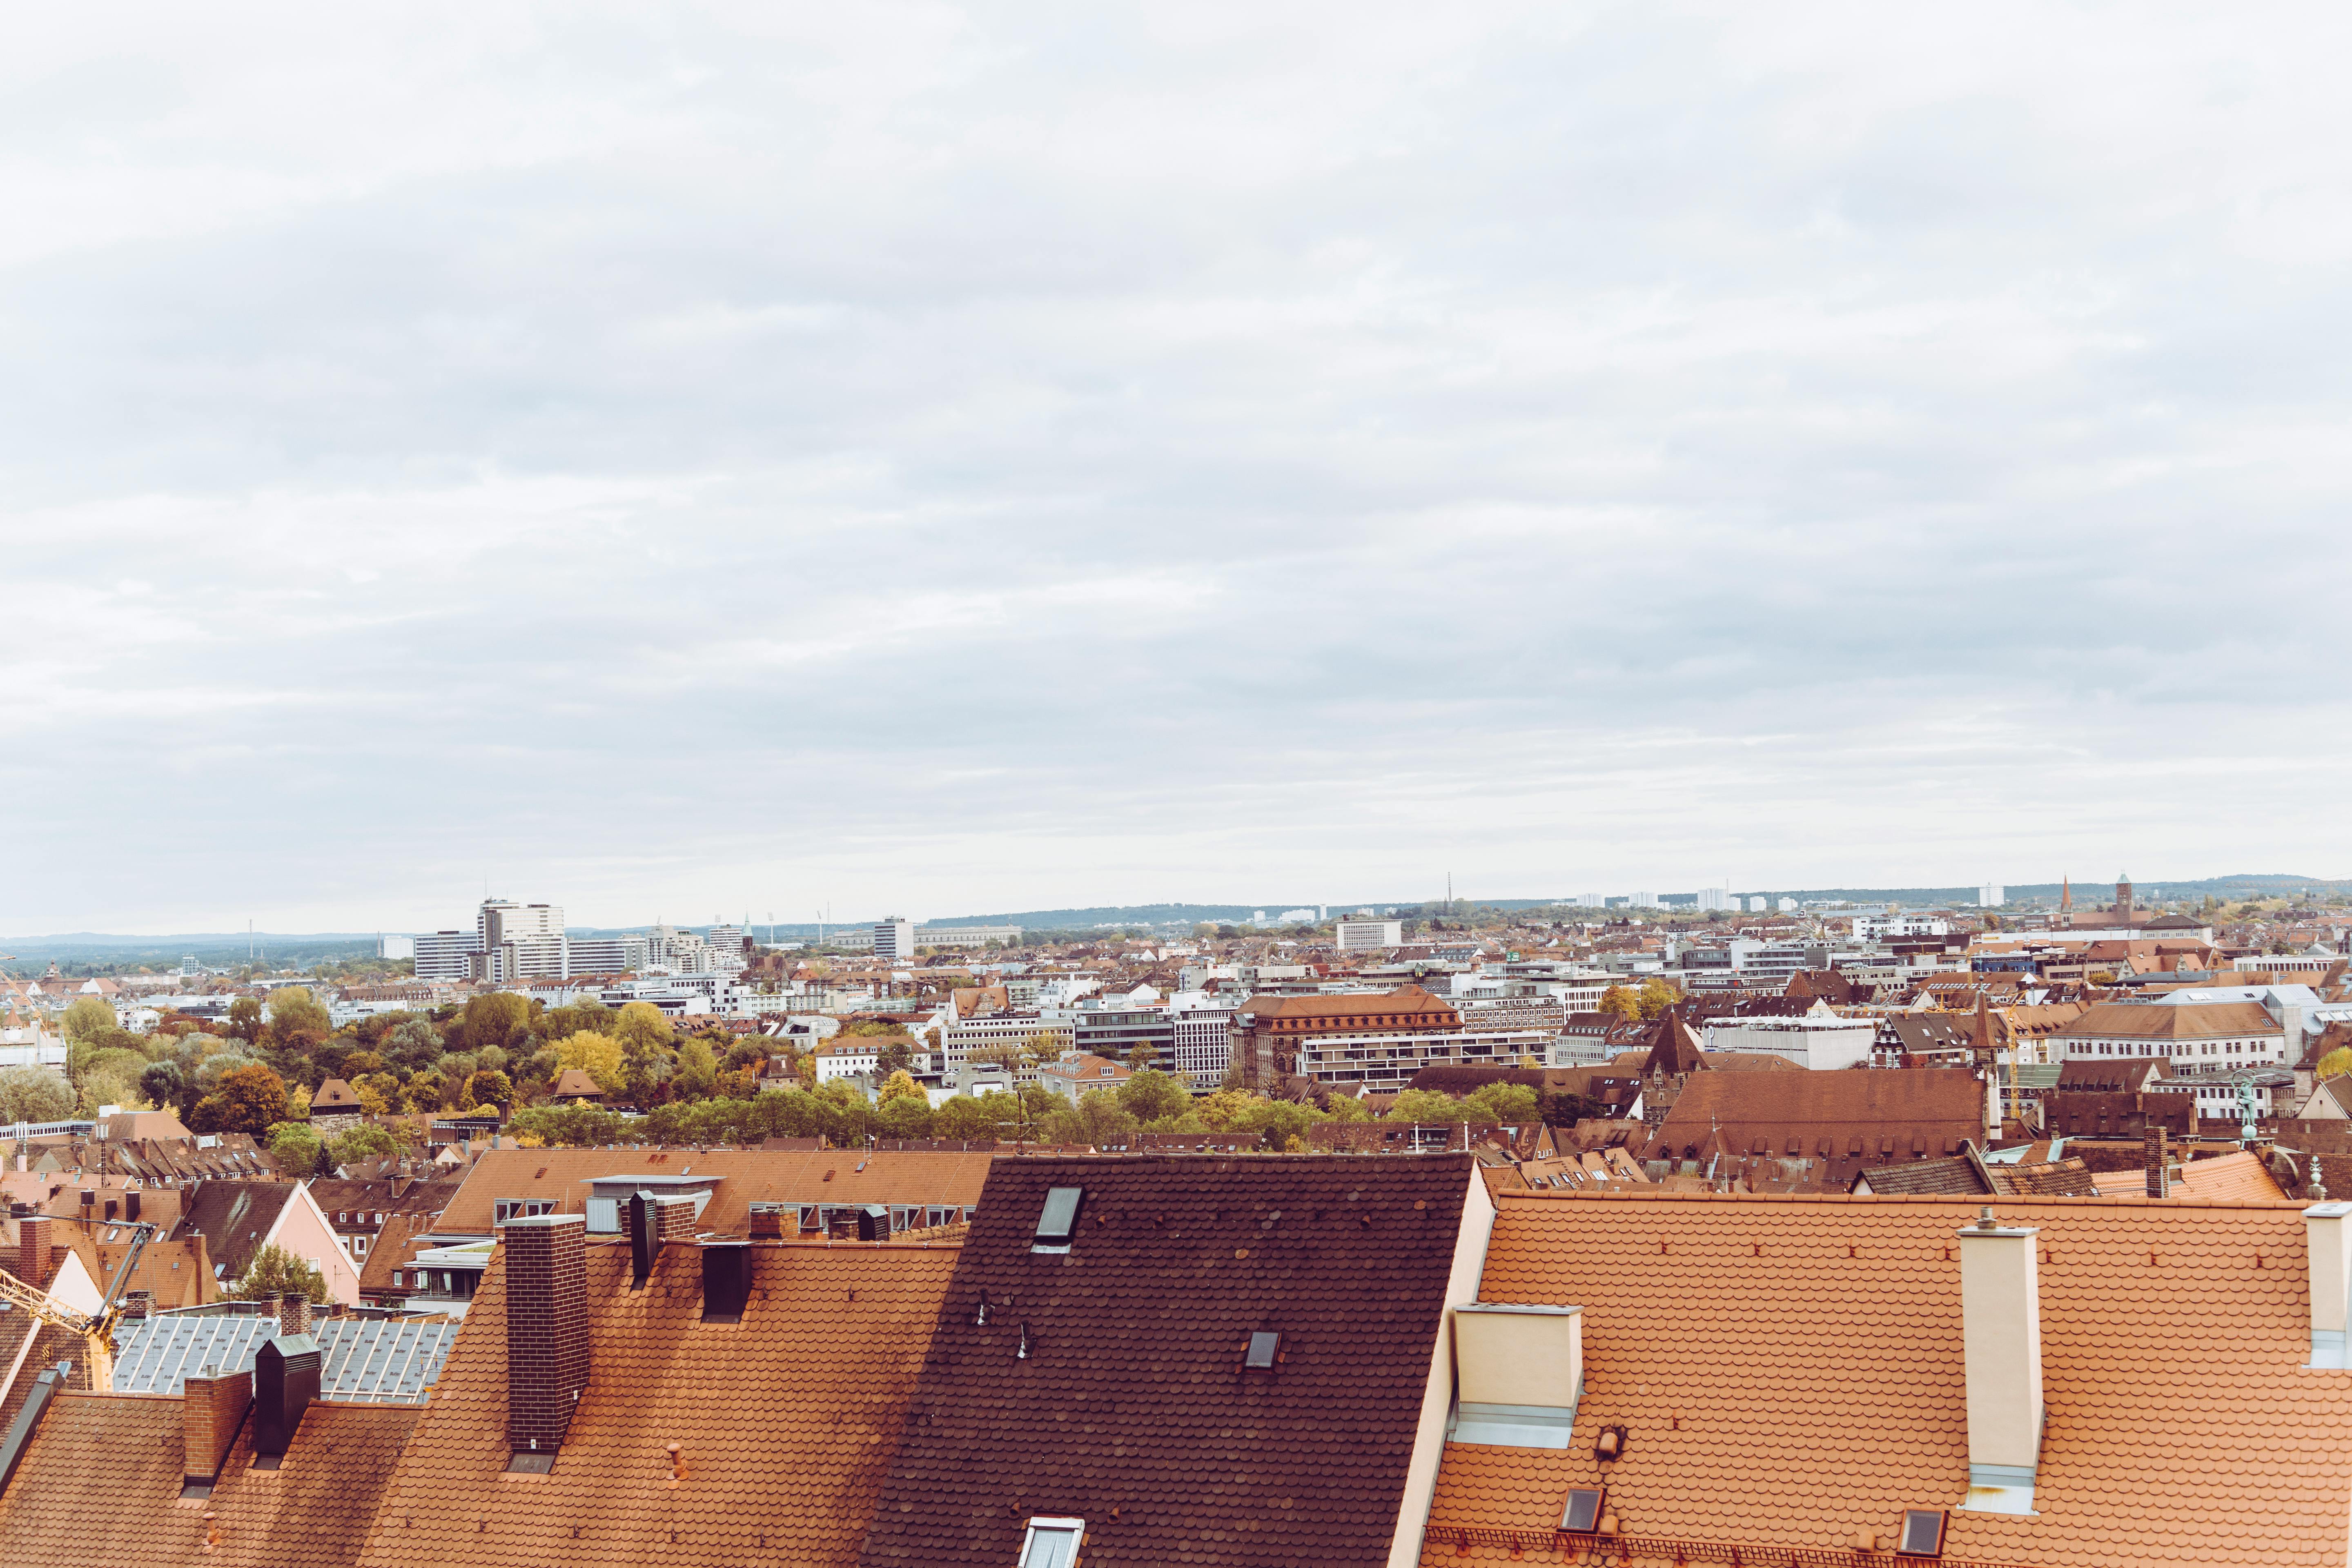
{"type": "Point", "coordinates": [97, 1331]}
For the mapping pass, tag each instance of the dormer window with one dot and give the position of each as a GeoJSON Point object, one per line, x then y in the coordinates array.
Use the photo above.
{"type": "Point", "coordinates": [1261, 1352]}
{"type": "Point", "coordinates": [1052, 1543]}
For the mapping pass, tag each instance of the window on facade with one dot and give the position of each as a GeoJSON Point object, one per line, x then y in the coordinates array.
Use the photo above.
{"type": "Point", "coordinates": [505, 1209]}
{"type": "Point", "coordinates": [1052, 1543]}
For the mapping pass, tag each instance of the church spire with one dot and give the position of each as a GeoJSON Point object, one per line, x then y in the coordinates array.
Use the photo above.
{"type": "Point", "coordinates": [2066, 894]}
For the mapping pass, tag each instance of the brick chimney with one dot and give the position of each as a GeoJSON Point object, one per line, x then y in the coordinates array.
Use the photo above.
{"type": "Point", "coordinates": [2000, 1327]}
{"type": "Point", "coordinates": [294, 1315]}
{"type": "Point", "coordinates": [137, 1304]}
{"type": "Point", "coordinates": [2152, 1157]}
{"type": "Point", "coordinates": [652, 1221]}
{"type": "Point", "coordinates": [212, 1408]}
{"type": "Point", "coordinates": [547, 1326]}
{"type": "Point", "coordinates": [34, 1250]}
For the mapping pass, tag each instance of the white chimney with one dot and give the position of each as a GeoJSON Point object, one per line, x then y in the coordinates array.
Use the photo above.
{"type": "Point", "coordinates": [2331, 1280]}
{"type": "Point", "coordinates": [2000, 1328]}
{"type": "Point", "coordinates": [1517, 1372]}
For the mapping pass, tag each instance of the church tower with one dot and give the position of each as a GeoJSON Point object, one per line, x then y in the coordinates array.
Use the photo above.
{"type": "Point", "coordinates": [2065, 895]}
{"type": "Point", "coordinates": [2124, 897]}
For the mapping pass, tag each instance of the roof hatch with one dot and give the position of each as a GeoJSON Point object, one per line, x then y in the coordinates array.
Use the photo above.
{"type": "Point", "coordinates": [1058, 1221]}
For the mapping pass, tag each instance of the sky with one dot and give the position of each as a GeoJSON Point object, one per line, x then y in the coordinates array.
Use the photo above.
{"type": "Point", "coordinates": [929, 459]}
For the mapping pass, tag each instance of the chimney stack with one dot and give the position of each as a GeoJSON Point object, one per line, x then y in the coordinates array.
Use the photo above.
{"type": "Point", "coordinates": [2330, 1248]}
{"type": "Point", "coordinates": [2001, 1326]}
{"type": "Point", "coordinates": [652, 1221]}
{"type": "Point", "coordinates": [547, 1326]}
{"type": "Point", "coordinates": [285, 1381]}
{"type": "Point", "coordinates": [767, 1222]}
{"type": "Point", "coordinates": [726, 1280]}
{"type": "Point", "coordinates": [211, 1410]}
{"type": "Point", "coordinates": [32, 1250]}
{"type": "Point", "coordinates": [294, 1315]}
{"type": "Point", "coordinates": [2152, 1156]}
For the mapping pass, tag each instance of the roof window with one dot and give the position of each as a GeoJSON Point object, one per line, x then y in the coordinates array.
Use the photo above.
{"type": "Point", "coordinates": [1052, 1543]}
{"type": "Point", "coordinates": [1058, 1220]}
{"type": "Point", "coordinates": [1923, 1532]}
{"type": "Point", "coordinates": [1583, 1513]}
{"type": "Point", "coordinates": [1260, 1355]}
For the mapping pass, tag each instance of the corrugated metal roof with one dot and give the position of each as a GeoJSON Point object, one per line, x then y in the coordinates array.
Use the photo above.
{"type": "Point", "coordinates": [382, 1359]}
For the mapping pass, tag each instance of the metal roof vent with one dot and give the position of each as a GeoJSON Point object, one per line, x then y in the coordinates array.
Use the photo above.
{"type": "Point", "coordinates": [1058, 1221]}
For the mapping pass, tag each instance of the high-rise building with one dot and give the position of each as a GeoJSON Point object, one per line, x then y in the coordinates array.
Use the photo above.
{"type": "Point", "coordinates": [1989, 895]}
{"type": "Point", "coordinates": [446, 954]}
{"type": "Point", "coordinates": [1708, 898]}
{"type": "Point", "coordinates": [518, 942]}
{"type": "Point", "coordinates": [603, 956]}
{"type": "Point", "coordinates": [894, 940]}
{"type": "Point", "coordinates": [1369, 936]}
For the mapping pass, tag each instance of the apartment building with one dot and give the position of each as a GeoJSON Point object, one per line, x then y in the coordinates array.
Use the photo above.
{"type": "Point", "coordinates": [1369, 936]}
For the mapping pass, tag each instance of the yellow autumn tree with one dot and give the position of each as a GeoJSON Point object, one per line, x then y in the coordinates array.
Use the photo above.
{"type": "Point", "coordinates": [598, 1055]}
{"type": "Point", "coordinates": [901, 1085]}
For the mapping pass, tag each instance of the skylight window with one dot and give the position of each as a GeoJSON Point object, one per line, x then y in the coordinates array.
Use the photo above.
{"type": "Point", "coordinates": [1260, 1355]}
{"type": "Point", "coordinates": [1923, 1533]}
{"type": "Point", "coordinates": [1059, 1219]}
{"type": "Point", "coordinates": [1052, 1543]}
{"type": "Point", "coordinates": [1583, 1510]}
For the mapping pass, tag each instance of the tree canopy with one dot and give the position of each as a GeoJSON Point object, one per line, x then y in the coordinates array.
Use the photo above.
{"type": "Point", "coordinates": [275, 1272]}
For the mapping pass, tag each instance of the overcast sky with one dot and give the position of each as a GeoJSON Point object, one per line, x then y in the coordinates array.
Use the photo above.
{"type": "Point", "coordinates": [936, 460]}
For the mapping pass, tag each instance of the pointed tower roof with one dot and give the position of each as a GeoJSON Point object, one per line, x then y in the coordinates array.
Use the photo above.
{"type": "Point", "coordinates": [2066, 894]}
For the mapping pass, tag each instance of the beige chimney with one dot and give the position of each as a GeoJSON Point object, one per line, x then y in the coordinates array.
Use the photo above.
{"type": "Point", "coordinates": [2330, 1248]}
{"type": "Point", "coordinates": [2001, 1329]}
{"type": "Point", "coordinates": [1518, 1371]}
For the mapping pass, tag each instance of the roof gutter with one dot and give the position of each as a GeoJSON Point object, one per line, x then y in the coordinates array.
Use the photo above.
{"type": "Point", "coordinates": [29, 1419]}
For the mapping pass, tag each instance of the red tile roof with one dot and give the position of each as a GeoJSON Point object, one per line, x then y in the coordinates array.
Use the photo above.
{"type": "Point", "coordinates": [784, 1421]}
{"type": "Point", "coordinates": [101, 1483]}
{"type": "Point", "coordinates": [1789, 1370]}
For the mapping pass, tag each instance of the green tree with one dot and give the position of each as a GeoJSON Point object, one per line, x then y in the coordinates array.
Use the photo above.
{"type": "Point", "coordinates": [491, 1086]}
{"type": "Point", "coordinates": [643, 1026]}
{"type": "Point", "coordinates": [414, 1044]}
{"type": "Point", "coordinates": [250, 1099]}
{"type": "Point", "coordinates": [698, 1070]}
{"type": "Point", "coordinates": [85, 1019]}
{"type": "Point", "coordinates": [907, 1116]}
{"type": "Point", "coordinates": [967, 1118]}
{"type": "Point", "coordinates": [1429, 1105]}
{"type": "Point", "coordinates": [496, 1018]}
{"type": "Point", "coordinates": [1097, 1118]}
{"type": "Point", "coordinates": [162, 1083]}
{"type": "Point", "coordinates": [275, 1272]}
{"type": "Point", "coordinates": [370, 1141]}
{"type": "Point", "coordinates": [1513, 1104]}
{"type": "Point", "coordinates": [901, 1085]}
{"type": "Point", "coordinates": [1150, 1096]}
{"type": "Point", "coordinates": [34, 1094]}
{"type": "Point", "coordinates": [296, 1147]}
{"type": "Point", "coordinates": [244, 1018]}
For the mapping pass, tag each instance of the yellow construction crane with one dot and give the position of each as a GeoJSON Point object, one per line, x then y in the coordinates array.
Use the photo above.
{"type": "Point", "coordinates": [97, 1330]}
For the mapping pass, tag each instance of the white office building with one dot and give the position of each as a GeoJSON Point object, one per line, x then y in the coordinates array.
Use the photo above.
{"type": "Point", "coordinates": [1203, 1048]}
{"type": "Point", "coordinates": [894, 940]}
{"type": "Point", "coordinates": [1991, 896]}
{"type": "Point", "coordinates": [604, 955]}
{"type": "Point", "coordinates": [446, 955]}
{"type": "Point", "coordinates": [1369, 936]}
{"type": "Point", "coordinates": [1708, 898]}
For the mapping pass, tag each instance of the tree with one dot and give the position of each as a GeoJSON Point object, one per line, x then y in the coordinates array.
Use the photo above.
{"type": "Point", "coordinates": [1655, 997]}
{"type": "Point", "coordinates": [907, 1116]}
{"type": "Point", "coordinates": [293, 1009]}
{"type": "Point", "coordinates": [1619, 1002]}
{"type": "Point", "coordinates": [244, 1017]}
{"type": "Point", "coordinates": [1097, 1118]}
{"type": "Point", "coordinates": [896, 1055]}
{"type": "Point", "coordinates": [643, 1026]}
{"type": "Point", "coordinates": [1150, 1096]}
{"type": "Point", "coordinates": [413, 1044]}
{"type": "Point", "coordinates": [2335, 1063]}
{"type": "Point", "coordinates": [370, 1141]}
{"type": "Point", "coordinates": [598, 1055]}
{"type": "Point", "coordinates": [901, 1085]}
{"type": "Point", "coordinates": [967, 1118]}
{"type": "Point", "coordinates": [164, 1083]}
{"type": "Point", "coordinates": [275, 1272]}
{"type": "Point", "coordinates": [85, 1018]}
{"type": "Point", "coordinates": [495, 1018]}
{"type": "Point", "coordinates": [1513, 1104]}
{"type": "Point", "coordinates": [698, 1070]}
{"type": "Point", "coordinates": [296, 1147]}
{"type": "Point", "coordinates": [1429, 1105]}
{"type": "Point", "coordinates": [490, 1087]}
{"type": "Point", "coordinates": [250, 1099]}
{"type": "Point", "coordinates": [34, 1094]}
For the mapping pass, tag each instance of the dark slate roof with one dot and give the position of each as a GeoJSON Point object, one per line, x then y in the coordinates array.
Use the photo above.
{"type": "Point", "coordinates": [1954, 1175]}
{"type": "Point", "coordinates": [1131, 1396]}
{"type": "Point", "coordinates": [233, 1217]}
{"type": "Point", "coordinates": [384, 1360]}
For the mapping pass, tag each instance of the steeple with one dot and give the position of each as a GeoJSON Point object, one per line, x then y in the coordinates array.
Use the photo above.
{"type": "Point", "coordinates": [2066, 894]}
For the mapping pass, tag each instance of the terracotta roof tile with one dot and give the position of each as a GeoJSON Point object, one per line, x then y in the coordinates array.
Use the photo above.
{"type": "Point", "coordinates": [745, 1176]}
{"type": "Point", "coordinates": [1788, 1370]}
{"type": "Point", "coordinates": [101, 1482]}
{"type": "Point", "coordinates": [1132, 1397]}
{"type": "Point", "coordinates": [785, 1420]}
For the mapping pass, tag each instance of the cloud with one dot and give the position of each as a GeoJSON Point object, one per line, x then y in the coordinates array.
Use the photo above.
{"type": "Point", "coordinates": [957, 458]}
